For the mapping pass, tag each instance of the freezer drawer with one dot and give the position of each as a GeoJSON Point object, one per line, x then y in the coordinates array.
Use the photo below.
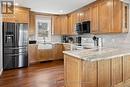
{"type": "Point", "coordinates": [15, 60]}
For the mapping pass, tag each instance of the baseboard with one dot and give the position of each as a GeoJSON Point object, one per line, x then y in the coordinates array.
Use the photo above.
{"type": "Point", "coordinates": [1, 72]}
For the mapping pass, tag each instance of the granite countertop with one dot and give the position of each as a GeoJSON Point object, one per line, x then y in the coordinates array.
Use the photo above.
{"type": "Point", "coordinates": [97, 54]}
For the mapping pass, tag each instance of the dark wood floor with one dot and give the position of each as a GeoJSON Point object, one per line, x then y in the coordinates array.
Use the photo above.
{"type": "Point", "coordinates": [49, 74]}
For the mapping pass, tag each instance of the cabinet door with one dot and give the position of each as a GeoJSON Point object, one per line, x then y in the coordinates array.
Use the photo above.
{"type": "Point", "coordinates": [32, 24]}
{"type": "Point", "coordinates": [57, 51]}
{"type": "Point", "coordinates": [94, 25]}
{"type": "Point", "coordinates": [72, 71]}
{"type": "Point", "coordinates": [72, 23]}
{"type": "Point", "coordinates": [8, 18]}
{"type": "Point", "coordinates": [116, 71]}
{"type": "Point", "coordinates": [22, 15]}
{"type": "Point", "coordinates": [64, 25]}
{"type": "Point", "coordinates": [81, 15]}
{"type": "Point", "coordinates": [44, 54]}
{"type": "Point", "coordinates": [32, 53]}
{"type": "Point", "coordinates": [117, 19]}
{"type": "Point", "coordinates": [104, 73]}
{"type": "Point", "coordinates": [126, 67]}
{"type": "Point", "coordinates": [57, 25]}
{"type": "Point", "coordinates": [105, 16]}
{"type": "Point", "coordinates": [89, 74]}
{"type": "Point", "coordinates": [125, 12]}
{"type": "Point", "coordinates": [87, 14]}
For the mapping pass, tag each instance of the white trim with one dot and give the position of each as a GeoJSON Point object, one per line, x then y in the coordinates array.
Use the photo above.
{"type": "Point", "coordinates": [1, 72]}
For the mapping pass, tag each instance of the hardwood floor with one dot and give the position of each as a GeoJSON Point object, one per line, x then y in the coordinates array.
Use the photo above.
{"type": "Point", "coordinates": [49, 74]}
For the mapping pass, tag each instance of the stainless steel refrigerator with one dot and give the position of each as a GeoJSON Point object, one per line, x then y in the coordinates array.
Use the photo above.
{"type": "Point", "coordinates": [15, 45]}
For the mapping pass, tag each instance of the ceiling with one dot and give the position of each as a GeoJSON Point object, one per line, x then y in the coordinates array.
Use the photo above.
{"type": "Point", "coordinates": [53, 6]}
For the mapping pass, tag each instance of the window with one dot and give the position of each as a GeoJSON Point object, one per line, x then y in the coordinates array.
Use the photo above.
{"type": "Point", "coordinates": [43, 29]}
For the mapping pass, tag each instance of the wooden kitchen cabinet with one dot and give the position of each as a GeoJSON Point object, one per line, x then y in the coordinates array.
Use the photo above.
{"type": "Point", "coordinates": [72, 20]}
{"type": "Point", "coordinates": [104, 74]}
{"type": "Point", "coordinates": [113, 72]}
{"type": "Point", "coordinates": [60, 23]}
{"type": "Point", "coordinates": [105, 16]}
{"type": "Point", "coordinates": [72, 72]}
{"type": "Point", "coordinates": [58, 51]}
{"type": "Point", "coordinates": [117, 71]}
{"type": "Point", "coordinates": [117, 16]}
{"type": "Point", "coordinates": [126, 68]}
{"type": "Point", "coordinates": [8, 18]}
{"type": "Point", "coordinates": [22, 15]}
{"type": "Point", "coordinates": [32, 53]}
{"type": "Point", "coordinates": [57, 25]}
{"type": "Point", "coordinates": [87, 14]}
{"type": "Point", "coordinates": [125, 16]}
{"type": "Point", "coordinates": [89, 74]}
{"type": "Point", "coordinates": [51, 54]}
{"type": "Point", "coordinates": [81, 15]}
{"type": "Point", "coordinates": [32, 28]}
{"type": "Point", "coordinates": [64, 25]}
{"type": "Point", "coordinates": [45, 55]}
{"type": "Point", "coordinates": [94, 19]}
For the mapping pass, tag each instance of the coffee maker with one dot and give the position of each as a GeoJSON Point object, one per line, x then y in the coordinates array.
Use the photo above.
{"type": "Point", "coordinates": [65, 39]}
{"type": "Point", "coordinates": [78, 40]}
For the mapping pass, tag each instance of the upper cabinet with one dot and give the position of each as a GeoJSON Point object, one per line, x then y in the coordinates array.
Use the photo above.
{"type": "Point", "coordinates": [94, 19]}
{"type": "Point", "coordinates": [125, 16]}
{"type": "Point", "coordinates": [87, 14]}
{"type": "Point", "coordinates": [113, 17]}
{"type": "Point", "coordinates": [21, 15]}
{"type": "Point", "coordinates": [32, 24]}
{"type": "Point", "coordinates": [60, 25]}
{"type": "Point", "coordinates": [117, 16]}
{"type": "Point", "coordinates": [72, 20]}
{"type": "Point", "coordinates": [105, 16]}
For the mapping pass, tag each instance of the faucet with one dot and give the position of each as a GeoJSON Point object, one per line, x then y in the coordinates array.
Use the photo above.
{"type": "Point", "coordinates": [44, 40]}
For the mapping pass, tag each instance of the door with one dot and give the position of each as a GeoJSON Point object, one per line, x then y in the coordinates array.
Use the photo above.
{"type": "Point", "coordinates": [21, 35]}
{"type": "Point", "coordinates": [21, 52]}
{"type": "Point", "coordinates": [8, 45]}
{"type": "Point", "coordinates": [95, 25]}
{"type": "Point", "coordinates": [105, 16]}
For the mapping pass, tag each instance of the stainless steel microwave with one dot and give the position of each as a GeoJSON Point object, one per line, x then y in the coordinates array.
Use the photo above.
{"type": "Point", "coordinates": [83, 27]}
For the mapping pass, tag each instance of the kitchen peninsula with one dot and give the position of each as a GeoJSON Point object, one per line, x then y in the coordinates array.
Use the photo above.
{"type": "Point", "coordinates": [99, 67]}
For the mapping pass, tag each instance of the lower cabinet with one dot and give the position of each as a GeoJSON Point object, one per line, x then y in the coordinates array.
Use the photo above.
{"type": "Point", "coordinates": [32, 53]}
{"type": "Point", "coordinates": [117, 72]}
{"type": "Point", "coordinates": [89, 74]}
{"type": "Point", "coordinates": [72, 71]}
{"type": "Point", "coordinates": [44, 54]}
{"type": "Point", "coordinates": [104, 73]}
{"type": "Point", "coordinates": [58, 51]}
{"type": "Point", "coordinates": [51, 54]}
{"type": "Point", "coordinates": [126, 68]}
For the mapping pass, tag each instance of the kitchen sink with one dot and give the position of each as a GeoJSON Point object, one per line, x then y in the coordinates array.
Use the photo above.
{"type": "Point", "coordinates": [45, 46]}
